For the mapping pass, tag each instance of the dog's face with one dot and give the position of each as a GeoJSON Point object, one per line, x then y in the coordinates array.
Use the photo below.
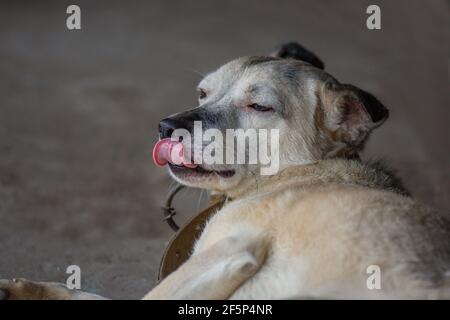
{"type": "Point", "coordinates": [316, 117]}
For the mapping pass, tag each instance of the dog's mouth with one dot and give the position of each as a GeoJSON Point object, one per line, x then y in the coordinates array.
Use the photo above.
{"type": "Point", "coordinates": [199, 171]}
{"type": "Point", "coordinates": [171, 152]}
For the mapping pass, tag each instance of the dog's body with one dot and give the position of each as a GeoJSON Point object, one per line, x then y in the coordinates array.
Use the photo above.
{"type": "Point", "coordinates": [326, 223]}
{"type": "Point", "coordinates": [318, 227]}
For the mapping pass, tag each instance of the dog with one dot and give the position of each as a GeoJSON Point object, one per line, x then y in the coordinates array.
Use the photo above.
{"type": "Point", "coordinates": [316, 228]}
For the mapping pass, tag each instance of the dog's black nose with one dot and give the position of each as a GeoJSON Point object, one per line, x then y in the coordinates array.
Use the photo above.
{"type": "Point", "coordinates": [184, 120]}
{"type": "Point", "coordinates": [167, 127]}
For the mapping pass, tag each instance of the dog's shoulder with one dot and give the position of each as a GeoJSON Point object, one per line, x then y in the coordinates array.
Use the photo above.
{"type": "Point", "coordinates": [374, 174]}
{"type": "Point", "coordinates": [371, 174]}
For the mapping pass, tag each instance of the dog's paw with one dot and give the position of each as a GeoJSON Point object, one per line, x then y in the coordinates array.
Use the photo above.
{"type": "Point", "coordinates": [22, 289]}
{"type": "Point", "coordinates": [249, 244]}
{"type": "Point", "coordinates": [244, 264]}
{"type": "Point", "coordinates": [245, 252]}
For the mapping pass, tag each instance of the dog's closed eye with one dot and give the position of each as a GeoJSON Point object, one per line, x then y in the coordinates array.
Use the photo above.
{"type": "Point", "coordinates": [260, 108]}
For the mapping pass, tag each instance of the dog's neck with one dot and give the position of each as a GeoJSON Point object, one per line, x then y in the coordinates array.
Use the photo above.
{"type": "Point", "coordinates": [324, 172]}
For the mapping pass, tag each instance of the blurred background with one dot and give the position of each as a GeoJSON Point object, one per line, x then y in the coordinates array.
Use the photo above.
{"type": "Point", "coordinates": [79, 113]}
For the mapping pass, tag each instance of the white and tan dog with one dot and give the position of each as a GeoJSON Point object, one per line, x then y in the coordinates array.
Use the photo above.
{"type": "Point", "coordinates": [313, 229]}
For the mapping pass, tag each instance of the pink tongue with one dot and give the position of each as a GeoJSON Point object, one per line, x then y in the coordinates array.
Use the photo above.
{"type": "Point", "coordinates": [170, 151]}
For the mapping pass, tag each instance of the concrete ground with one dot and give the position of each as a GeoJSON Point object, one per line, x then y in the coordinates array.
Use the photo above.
{"type": "Point", "coordinates": [79, 112]}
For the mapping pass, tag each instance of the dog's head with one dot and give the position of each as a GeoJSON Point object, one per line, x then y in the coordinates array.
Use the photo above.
{"type": "Point", "coordinates": [314, 115]}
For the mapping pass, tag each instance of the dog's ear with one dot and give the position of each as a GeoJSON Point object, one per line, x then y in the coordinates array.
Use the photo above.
{"type": "Point", "coordinates": [350, 113]}
{"type": "Point", "coordinates": [293, 50]}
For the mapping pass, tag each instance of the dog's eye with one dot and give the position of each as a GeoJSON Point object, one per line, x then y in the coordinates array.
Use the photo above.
{"type": "Point", "coordinates": [260, 108]}
{"type": "Point", "coordinates": [201, 94]}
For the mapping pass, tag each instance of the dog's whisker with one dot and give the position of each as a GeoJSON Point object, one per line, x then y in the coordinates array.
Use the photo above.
{"type": "Point", "coordinates": [172, 186]}
{"type": "Point", "coordinates": [199, 201]}
{"type": "Point", "coordinates": [198, 73]}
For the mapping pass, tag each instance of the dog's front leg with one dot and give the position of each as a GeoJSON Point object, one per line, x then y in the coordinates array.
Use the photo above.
{"type": "Point", "coordinates": [214, 273]}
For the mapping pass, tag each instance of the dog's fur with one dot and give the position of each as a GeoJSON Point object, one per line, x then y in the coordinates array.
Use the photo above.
{"type": "Point", "coordinates": [313, 229]}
